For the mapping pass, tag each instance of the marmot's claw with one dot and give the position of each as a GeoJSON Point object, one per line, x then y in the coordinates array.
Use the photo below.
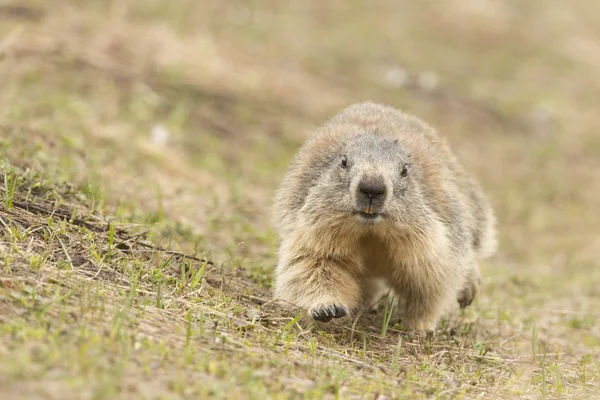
{"type": "Point", "coordinates": [326, 313]}
{"type": "Point", "coordinates": [465, 303]}
{"type": "Point", "coordinates": [467, 295]}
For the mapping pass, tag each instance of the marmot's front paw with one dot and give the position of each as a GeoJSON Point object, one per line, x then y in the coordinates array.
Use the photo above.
{"type": "Point", "coordinates": [325, 313]}
{"type": "Point", "coordinates": [468, 293]}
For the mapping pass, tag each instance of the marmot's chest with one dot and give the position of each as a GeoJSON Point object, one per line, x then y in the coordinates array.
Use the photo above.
{"type": "Point", "coordinates": [382, 256]}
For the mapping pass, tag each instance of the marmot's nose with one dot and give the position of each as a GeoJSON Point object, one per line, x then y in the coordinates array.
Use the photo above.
{"type": "Point", "coordinates": [372, 190]}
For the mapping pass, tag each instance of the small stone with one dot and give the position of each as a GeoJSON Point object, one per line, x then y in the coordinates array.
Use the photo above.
{"type": "Point", "coordinates": [396, 77]}
{"type": "Point", "coordinates": [159, 135]}
{"type": "Point", "coordinates": [428, 80]}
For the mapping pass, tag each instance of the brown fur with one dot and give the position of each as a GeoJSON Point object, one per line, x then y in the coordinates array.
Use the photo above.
{"type": "Point", "coordinates": [435, 223]}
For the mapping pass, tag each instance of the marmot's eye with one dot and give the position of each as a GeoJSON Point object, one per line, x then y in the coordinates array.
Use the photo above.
{"type": "Point", "coordinates": [344, 161]}
{"type": "Point", "coordinates": [404, 171]}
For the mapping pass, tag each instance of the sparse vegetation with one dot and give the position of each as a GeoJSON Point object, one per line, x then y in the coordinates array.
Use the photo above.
{"type": "Point", "coordinates": [142, 141]}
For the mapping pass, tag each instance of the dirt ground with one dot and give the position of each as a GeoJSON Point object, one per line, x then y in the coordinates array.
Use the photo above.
{"type": "Point", "coordinates": [142, 142]}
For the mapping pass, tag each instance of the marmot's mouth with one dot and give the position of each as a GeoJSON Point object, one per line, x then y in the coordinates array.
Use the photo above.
{"type": "Point", "coordinates": [366, 217]}
{"type": "Point", "coordinates": [369, 216]}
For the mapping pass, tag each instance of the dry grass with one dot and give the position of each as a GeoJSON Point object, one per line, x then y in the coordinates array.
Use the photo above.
{"type": "Point", "coordinates": [136, 268]}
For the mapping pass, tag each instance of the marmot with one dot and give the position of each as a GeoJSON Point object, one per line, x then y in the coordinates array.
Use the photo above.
{"type": "Point", "coordinates": [375, 195]}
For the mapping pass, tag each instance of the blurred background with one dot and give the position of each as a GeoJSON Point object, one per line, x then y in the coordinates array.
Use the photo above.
{"type": "Point", "coordinates": [185, 114]}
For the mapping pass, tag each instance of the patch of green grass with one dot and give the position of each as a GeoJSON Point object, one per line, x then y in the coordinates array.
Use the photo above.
{"type": "Point", "coordinates": [387, 315]}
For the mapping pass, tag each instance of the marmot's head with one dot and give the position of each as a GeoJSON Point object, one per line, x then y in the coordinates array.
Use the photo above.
{"type": "Point", "coordinates": [374, 178]}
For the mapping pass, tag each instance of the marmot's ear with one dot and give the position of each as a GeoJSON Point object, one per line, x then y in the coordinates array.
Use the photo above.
{"type": "Point", "coordinates": [395, 141]}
